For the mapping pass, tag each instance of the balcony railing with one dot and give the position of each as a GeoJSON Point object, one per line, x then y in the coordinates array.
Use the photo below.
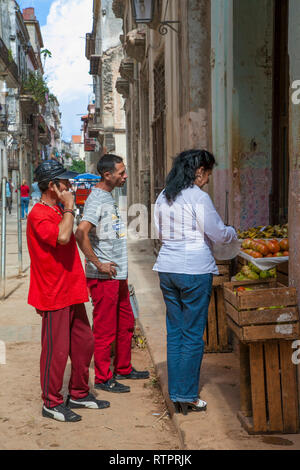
{"type": "Point", "coordinates": [95, 64]}
{"type": "Point", "coordinates": [89, 45]}
{"type": "Point", "coordinates": [9, 63]}
{"type": "Point", "coordinates": [3, 123]}
{"type": "Point", "coordinates": [13, 162]}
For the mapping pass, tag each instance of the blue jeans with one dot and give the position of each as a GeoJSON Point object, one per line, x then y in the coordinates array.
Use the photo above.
{"type": "Point", "coordinates": [24, 206]}
{"type": "Point", "coordinates": [187, 298]}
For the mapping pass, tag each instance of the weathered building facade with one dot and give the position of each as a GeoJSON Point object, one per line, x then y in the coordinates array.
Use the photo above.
{"type": "Point", "coordinates": [105, 123]}
{"type": "Point", "coordinates": [30, 128]}
{"type": "Point", "coordinates": [224, 80]}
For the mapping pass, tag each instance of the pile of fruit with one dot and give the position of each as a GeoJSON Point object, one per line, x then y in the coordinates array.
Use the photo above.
{"type": "Point", "coordinates": [251, 272]}
{"type": "Point", "coordinates": [266, 248]}
{"type": "Point", "coordinates": [267, 232]}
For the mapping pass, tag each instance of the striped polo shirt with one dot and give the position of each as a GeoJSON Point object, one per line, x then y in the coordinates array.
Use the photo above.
{"type": "Point", "coordinates": [108, 235]}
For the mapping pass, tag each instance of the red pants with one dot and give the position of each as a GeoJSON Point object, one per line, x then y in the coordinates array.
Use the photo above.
{"type": "Point", "coordinates": [113, 321]}
{"type": "Point", "coordinates": [65, 332]}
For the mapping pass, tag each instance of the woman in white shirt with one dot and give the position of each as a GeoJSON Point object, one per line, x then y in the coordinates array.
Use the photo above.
{"type": "Point", "coordinates": [188, 225]}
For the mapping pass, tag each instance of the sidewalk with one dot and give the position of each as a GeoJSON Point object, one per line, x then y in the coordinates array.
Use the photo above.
{"type": "Point", "coordinates": [219, 427]}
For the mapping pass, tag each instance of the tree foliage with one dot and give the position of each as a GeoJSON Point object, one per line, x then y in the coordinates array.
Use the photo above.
{"type": "Point", "coordinates": [78, 165]}
{"type": "Point", "coordinates": [36, 85]}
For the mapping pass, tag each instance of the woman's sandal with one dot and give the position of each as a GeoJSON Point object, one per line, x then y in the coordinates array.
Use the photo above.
{"type": "Point", "coordinates": [183, 407]}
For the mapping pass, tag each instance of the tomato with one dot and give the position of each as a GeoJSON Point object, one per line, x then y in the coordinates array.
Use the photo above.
{"type": "Point", "coordinates": [262, 248]}
{"type": "Point", "coordinates": [241, 289]}
{"type": "Point", "coordinates": [278, 254]}
{"type": "Point", "coordinates": [286, 253]}
{"type": "Point", "coordinates": [284, 244]}
{"type": "Point", "coordinates": [273, 246]}
{"type": "Point", "coordinates": [246, 243]}
{"type": "Point", "coordinates": [270, 255]}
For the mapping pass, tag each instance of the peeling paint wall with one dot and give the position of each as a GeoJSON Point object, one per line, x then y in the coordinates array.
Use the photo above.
{"type": "Point", "coordinates": [294, 146]}
{"type": "Point", "coordinates": [252, 111]}
{"type": "Point", "coordinates": [195, 67]}
{"type": "Point", "coordinates": [221, 85]}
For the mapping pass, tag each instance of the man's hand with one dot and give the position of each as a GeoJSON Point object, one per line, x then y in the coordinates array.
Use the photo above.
{"type": "Point", "coordinates": [65, 197]}
{"type": "Point", "coordinates": [108, 268]}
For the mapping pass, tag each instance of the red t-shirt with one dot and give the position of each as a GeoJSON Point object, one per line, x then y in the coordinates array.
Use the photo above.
{"type": "Point", "coordinates": [24, 190]}
{"type": "Point", "coordinates": [57, 278]}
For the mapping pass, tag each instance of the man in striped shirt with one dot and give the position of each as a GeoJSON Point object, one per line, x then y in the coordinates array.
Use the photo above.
{"type": "Point", "coordinates": [102, 238]}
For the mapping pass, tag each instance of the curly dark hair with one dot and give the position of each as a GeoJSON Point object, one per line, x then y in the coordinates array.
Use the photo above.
{"type": "Point", "coordinates": [182, 174]}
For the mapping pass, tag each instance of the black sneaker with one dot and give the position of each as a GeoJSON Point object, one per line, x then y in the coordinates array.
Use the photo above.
{"type": "Point", "coordinates": [60, 413]}
{"type": "Point", "coordinates": [134, 375]}
{"type": "Point", "coordinates": [112, 386]}
{"type": "Point", "coordinates": [87, 402]}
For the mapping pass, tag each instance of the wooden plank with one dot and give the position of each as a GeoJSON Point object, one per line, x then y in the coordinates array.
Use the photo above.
{"type": "Point", "coordinates": [258, 388]}
{"type": "Point", "coordinates": [283, 268]}
{"type": "Point", "coordinates": [288, 388]}
{"type": "Point", "coordinates": [221, 315]}
{"type": "Point", "coordinates": [287, 331]}
{"type": "Point", "coordinates": [232, 312]}
{"type": "Point", "coordinates": [273, 386]}
{"type": "Point", "coordinates": [276, 315]}
{"type": "Point", "coordinates": [235, 328]}
{"type": "Point", "coordinates": [283, 278]}
{"type": "Point", "coordinates": [286, 296]}
{"type": "Point", "coordinates": [234, 298]}
{"type": "Point", "coordinates": [212, 323]}
{"type": "Point", "coordinates": [219, 280]}
{"type": "Point", "coordinates": [223, 269]}
{"type": "Point", "coordinates": [222, 262]}
{"type": "Point", "coordinates": [245, 381]}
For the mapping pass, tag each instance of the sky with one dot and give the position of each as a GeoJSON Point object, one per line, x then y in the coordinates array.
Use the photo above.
{"type": "Point", "coordinates": [64, 24]}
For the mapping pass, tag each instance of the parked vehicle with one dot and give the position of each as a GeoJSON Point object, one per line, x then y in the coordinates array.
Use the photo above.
{"type": "Point", "coordinates": [82, 187]}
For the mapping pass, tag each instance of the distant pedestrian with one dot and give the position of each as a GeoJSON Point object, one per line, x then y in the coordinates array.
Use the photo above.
{"type": "Point", "coordinates": [25, 190]}
{"type": "Point", "coordinates": [9, 191]}
{"type": "Point", "coordinates": [102, 238]}
{"type": "Point", "coordinates": [58, 292]}
{"type": "Point", "coordinates": [35, 193]}
{"type": "Point", "coordinates": [188, 226]}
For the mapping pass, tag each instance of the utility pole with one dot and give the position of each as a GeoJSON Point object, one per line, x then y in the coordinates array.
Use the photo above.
{"type": "Point", "coordinates": [3, 239]}
{"type": "Point", "coordinates": [20, 252]}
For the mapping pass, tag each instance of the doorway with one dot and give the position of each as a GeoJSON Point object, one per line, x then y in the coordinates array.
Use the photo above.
{"type": "Point", "coordinates": [280, 146]}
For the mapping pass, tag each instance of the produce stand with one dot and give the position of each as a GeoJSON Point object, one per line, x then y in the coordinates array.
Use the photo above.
{"type": "Point", "coordinates": [265, 319]}
{"type": "Point", "coordinates": [216, 332]}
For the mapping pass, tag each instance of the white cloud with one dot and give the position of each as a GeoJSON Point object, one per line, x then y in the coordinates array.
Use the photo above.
{"type": "Point", "coordinates": [67, 71]}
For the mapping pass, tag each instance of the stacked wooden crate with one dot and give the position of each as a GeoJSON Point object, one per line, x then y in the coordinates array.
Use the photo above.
{"type": "Point", "coordinates": [216, 332]}
{"type": "Point", "coordinates": [266, 321]}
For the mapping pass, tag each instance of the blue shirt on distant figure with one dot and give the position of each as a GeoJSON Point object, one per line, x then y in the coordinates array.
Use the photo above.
{"type": "Point", "coordinates": [8, 189]}
{"type": "Point", "coordinates": [36, 193]}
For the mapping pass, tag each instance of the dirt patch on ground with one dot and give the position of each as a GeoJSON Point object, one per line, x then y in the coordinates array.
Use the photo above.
{"type": "Point", "coordinates": [136, 420]}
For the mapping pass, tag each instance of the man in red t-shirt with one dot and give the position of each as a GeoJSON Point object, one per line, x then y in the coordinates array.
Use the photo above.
{"type": "Point", "coordinates": [58, 292]}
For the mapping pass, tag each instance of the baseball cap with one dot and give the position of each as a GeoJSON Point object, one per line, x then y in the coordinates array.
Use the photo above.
{"type": "Point", "coordinates": [50, 170]}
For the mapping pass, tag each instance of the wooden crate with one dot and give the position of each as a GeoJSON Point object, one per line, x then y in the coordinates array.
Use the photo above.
{"type": "Point", "coordinates": [249, 323]}
{"type": "Point", "coordinates": [283, 273]}
{"type": "Point", "coordinates": [268, 388]}
{"type": "Point", "coordinates": [224, 273]}
{"type": "Point", "coordinates": [216, 332]}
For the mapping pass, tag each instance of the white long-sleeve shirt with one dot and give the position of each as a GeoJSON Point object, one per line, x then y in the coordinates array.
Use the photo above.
{"type": "Point", "coordinates": [188, 228]}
